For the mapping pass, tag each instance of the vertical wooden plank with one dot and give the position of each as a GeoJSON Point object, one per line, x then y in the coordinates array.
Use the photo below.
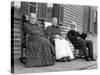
{"type": "Point", "coordinates": [86, 18]}
{"type": "Point", "coordinates": [25, 8]}
{"type": "Point", "coordinates": [49, 14]}
{"type": "Point", "coordinates": [61, 14]}
{"type": "Point", "coordinates": [56, 11]}
{"type": "Point", "coordinates": [32, 7]}
{"type": "Point", "coordinates": [95, 24]}
{"type": "Point", "coordinates": [91, 25]}
{"type": "Point", "coordinates": [42, 11]}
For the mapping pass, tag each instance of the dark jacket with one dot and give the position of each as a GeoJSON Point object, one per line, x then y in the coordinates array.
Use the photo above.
{"type": "Point", "coordinates": [39, 50]}
{"type": "Point", "coordinates": [72, 36]}
{"type": "Point", "coordinates": [53, 30]}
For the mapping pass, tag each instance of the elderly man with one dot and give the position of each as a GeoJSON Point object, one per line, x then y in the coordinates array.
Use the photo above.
{"type": "Point", "coordinates": [79, 42]}
{"type": "Point", "coordinates": [39, 50]}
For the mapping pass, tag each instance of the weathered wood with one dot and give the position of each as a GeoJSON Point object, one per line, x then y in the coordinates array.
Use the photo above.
{"type": "Point", "coordinates": [16, 29]}
{"type": "Point", "coordinates": [17, 42]}
{"type": "Point", "coordinates": [17, 25]}
{"type": "Point", "coordinates": [72, 13]}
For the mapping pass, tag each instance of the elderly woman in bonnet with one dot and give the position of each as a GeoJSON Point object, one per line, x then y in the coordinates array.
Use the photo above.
{"type": "Point", "coordinates": [39, 51]}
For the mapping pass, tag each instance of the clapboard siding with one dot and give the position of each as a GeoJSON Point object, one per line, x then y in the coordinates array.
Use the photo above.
{"type": "Point", "coordinates": [72, 13]}
{"type": "Point", "coordinates": [74, 9]}
{"type": "Point", "coordinates": [86, 18]}
{"type": "Point", "coordinates": [17, 38]}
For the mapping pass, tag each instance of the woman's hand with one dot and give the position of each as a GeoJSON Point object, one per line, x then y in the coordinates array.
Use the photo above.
{"type": "Point", "coordinates": [78, 37]}
{"type": "Point", "coordinates": [58, 36]}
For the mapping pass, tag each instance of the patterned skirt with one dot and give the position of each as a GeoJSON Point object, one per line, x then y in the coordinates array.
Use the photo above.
{"type": "Point", "coordinates": [39, 52]}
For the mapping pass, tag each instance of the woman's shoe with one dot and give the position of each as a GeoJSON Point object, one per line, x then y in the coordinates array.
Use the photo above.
{"type": "Point", "coordinates": [68, 59]}
{"type": "Point", "coordinates": [93, 59]}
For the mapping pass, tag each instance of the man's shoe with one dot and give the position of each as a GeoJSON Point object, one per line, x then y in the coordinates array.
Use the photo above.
{"type": "Point", "coordinates": [87, 59]}
{"type": "Point", "coordinates": [93, 59]}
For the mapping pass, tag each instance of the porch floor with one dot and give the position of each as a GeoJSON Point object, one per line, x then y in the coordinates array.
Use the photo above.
{"type": "Point", "coordinates": [79, 64]}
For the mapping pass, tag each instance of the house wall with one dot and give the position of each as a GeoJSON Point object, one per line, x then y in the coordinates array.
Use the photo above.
{"type": "Point", "coordinates": [17, 38]}
{"type": "Point", "coordinates": [15, 32]}
{"type": "Point", "coordinates": [72, 13]}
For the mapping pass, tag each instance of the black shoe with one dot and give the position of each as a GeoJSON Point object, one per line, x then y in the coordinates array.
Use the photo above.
{"type": "Point", "coordinates": [61, 59]}
{"type": "Point", "coordinates": [93, 59]}
{"type": "Point", "coordinates": [87, 59]}
{"type": "Point", "coordinates": [68, 59]}
{"type": "Point", "coordinates": [22, 60]}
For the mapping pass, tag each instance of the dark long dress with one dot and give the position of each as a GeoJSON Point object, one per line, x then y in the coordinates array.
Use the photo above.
{"type": "Point", "coordinates": [39, 51]}
{"type": "Point", "coordinates": [51, 31]}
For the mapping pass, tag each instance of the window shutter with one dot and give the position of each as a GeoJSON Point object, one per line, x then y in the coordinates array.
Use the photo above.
{"type": "Point", "coordinates": [32, 7]}
{"type": "Point", "coordinates": [49, 14]}
{"type": "Point", "coordinates": [56, 11]}
{"type": "Point", "coordinates": [42, 11]}
{"type": "Point", "coordinates": [86, 18]}
{"type": "Point", "coordinates": [61, 13]}
{"type": "Point", "coordinates": [25, 8]}
{"type": "Point", "coordinates": [91, 25]}
{"type": "Point", "coordinates": [95, 27]}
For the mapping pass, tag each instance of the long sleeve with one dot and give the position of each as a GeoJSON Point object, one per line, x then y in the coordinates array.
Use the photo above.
{"type": "Point", "coordinates": [71, 35]}
{"type": "Point", "coordinates": [30, 29]}
{"type": "Point", "coordinates": [51, 31]}
{"type": "Point", "coordinates": [33, 30]}
{"type": "Point", "coordinates": [48, 32]}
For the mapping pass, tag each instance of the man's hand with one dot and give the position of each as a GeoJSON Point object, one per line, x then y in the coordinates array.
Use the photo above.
{"type": "Point", "coordinates": [78, 37]}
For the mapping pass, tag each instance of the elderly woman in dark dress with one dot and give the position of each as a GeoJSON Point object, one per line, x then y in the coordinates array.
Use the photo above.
{"type": "Point", "coordinates": [39, 51]}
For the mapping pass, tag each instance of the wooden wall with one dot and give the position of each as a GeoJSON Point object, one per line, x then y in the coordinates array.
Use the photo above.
{"type": "Point", "coordinates": [72, 13]}
{"type": "Point", "coordinates": [16, 32]}
{"type": "Point", "coordinates": [17, 38]}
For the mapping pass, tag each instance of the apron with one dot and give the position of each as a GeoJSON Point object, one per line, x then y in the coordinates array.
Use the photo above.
{"type": "Point", "coordinates": [63, 49]}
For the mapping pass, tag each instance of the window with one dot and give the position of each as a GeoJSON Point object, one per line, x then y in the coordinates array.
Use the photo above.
{"type": "Point", "coordinates": [42, 11]}
{"type": "Point", "coordinates": [86, 18]}
{"type": "Point", "coordinates": [49, 12]}
{"type": "Point", "coordinates": [58, 12]}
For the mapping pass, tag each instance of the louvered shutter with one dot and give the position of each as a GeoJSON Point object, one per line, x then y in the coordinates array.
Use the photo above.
{"type": "Point", "coordinates": [86, 18]}
{"type": "Point", "coordinates": [32, 7]}
{"type": "Point", "coordinates": [58, 12]}
{"type": "Point", "coordinates": [91, 25]}
{"type": "Point", "coordinates": [55, 11]}
{"type": "Point", "coordinates": [95, 27]}
{"type": "Point", "coordinates": [42, 11]}
{"type": "Point", "coordinates": [25, 8]}
{"type": "Point", "coordinates": [61, 13]}
{"type": "Point", "coordinates": [49, 14]}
